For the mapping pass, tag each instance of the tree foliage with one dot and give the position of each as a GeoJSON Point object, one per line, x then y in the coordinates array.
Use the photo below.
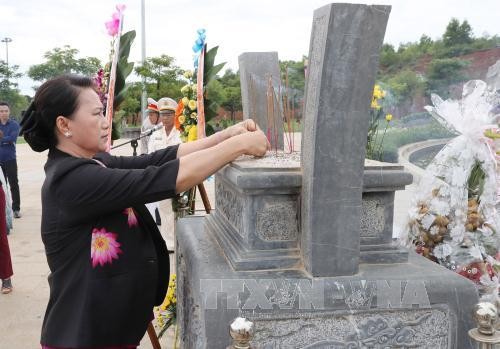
{"type": "Point", "coordinates": [231, 101]}
{"type": "Point", "coordinates": [444, 72]}
{"type": "Point", "coordinates": [8, 89]}
{"type": "Point", "coordinates": [63, 61]}
{"type": "Point", "coordinates": [163, 77]}
{"type": "Point", "coordinates": [398, 68]}
{"type": "Point", "coordinates": [457, 34]}
{"type": "Point", "coordinates": [405, 84]}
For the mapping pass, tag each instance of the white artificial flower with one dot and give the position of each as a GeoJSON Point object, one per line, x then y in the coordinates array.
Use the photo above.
{"type": "Point", "coordinates": [442, 251]}
{"type": "Point", "coordinates": [434, 230]}
{"type": "Point", "coordinates": [427, 221]}
{"type": "Point", "coordinates": [475, 253]}
{"type": "Point", "coordinates": [489, 282]}
{"type": "Point", "coordinates": [440, 207]}
{"type": "Point", "coordinates": [485, 230]}
{"type": "Point", "coordinates": [444, 190]}
{"type": "Point", "coordinates": [413, 213]}
{"type": "Point", "coordinates": [457, 233]}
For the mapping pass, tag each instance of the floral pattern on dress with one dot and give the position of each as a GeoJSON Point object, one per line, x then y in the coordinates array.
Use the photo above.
{"type": "Point", "coordinates": [104, 248]}
{"type": "Point", "coordinates": [132, 218]}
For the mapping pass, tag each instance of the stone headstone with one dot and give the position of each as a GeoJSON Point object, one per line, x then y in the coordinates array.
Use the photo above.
{"type": "Point", "coordinates": [343, 57]}
{"type": "Point", "coordinates": [257, 69]}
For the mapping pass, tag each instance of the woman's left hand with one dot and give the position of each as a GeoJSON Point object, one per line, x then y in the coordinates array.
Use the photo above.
{"type": "Point", "coordinates": [247, 125]}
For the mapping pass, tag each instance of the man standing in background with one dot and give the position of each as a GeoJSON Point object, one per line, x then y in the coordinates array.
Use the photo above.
{"type": "Point", "coordinates": [151, 121]}
{"type": "Point", "coordinates": [9, 130]}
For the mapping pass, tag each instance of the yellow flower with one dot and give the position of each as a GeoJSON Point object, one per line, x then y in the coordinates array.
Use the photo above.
{"type": "Point", "coordinates": [186, 89]}
{"type": "Point", "coordinates": [194, 115]}
{"type": "Point", "coordinates": [185, 101]}
{"type": "Point", "coordinates": [388, 117]}
{"type": "Point", "coordinates": [192, 105]}
{"type": "Point", "coordinates": [375, 104]}
{"type": "Point", "coordinates": [188, 74]}
{"type": "Point", "coordinates": [490, 133]}
{"type": "Point", "coordinates": [378, 93]}
{"type": "Point", "coordinates": [182, 118]}
{"type": "Point", "coordinates": [193, 133]}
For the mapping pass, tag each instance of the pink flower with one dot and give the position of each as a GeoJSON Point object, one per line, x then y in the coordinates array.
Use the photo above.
{"type": "Point", "coordinates": [120, 8]}
{"type": "Point", "coordinates": [113, 26]}
{"type": "Point", "coordinates": [104, 247]}
{"type": "Point", "coordinates": [132, 218]}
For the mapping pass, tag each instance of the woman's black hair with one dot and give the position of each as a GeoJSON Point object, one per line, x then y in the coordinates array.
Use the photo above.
{"type": "Point", "coordinates": [56, 97]}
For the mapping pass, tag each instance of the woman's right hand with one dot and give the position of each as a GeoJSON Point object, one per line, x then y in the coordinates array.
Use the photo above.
{"type": "Point", "coordinates": [254, 143]}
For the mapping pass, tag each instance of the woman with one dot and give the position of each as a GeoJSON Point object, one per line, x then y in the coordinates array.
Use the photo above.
{"type": "Point", "coordinates": [109, 265]}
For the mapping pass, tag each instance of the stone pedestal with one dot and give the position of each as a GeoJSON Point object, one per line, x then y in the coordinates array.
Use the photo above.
{"type": "Point", "coordinates": [244, 260]}
{"type": "Point", "coordinates": [417, 304]}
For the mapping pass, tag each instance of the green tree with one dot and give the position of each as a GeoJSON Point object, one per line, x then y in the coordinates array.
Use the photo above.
{"type": "Point", "coordinates": [215, 92]}
{"type": "Point", "coordinates": [405, 84]}
{"type": "Point", "coordinates": [425, 43]}
{"type": "Point", "coordinates": [457, 34]}
{"type": "Point", "coordinates": [296, 74]}
{"type": "Point", "coordinates": [63, 61]}
{"type": "Point", "coordinates": [230, 82]}
{"type": "Point", "coordinates": [8, 89]}
{"type": "Point", "coordinates": [131, 106]}
{"type": "Point", "coordinates": [444, 72]}
{"type": "Point", "coordinates": [163, 78]}
{"type": "Point", "coordinates": [389, 59]}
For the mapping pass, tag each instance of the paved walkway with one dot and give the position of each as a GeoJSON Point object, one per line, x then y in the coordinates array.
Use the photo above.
{"type": "Point", "coordinates": [22, 311]}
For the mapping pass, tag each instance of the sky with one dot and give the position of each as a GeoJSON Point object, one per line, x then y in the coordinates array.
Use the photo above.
{"type": "Point", "coordinates": [236, 26]}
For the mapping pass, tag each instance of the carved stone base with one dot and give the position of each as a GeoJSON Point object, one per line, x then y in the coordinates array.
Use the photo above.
{"type": "Point", "coordinates": [418, 304]}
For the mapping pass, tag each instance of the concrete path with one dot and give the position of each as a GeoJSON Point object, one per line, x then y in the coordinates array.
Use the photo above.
{"type": "Point", "coordinates": [22, 311]}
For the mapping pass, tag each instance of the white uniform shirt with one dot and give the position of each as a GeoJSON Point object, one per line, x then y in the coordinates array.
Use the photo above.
{"type": "Point", "coordinates": [160, 140]}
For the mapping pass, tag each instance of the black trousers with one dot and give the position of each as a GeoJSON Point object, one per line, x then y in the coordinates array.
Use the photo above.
{"type": "Point", "coordinates": [9, 169]}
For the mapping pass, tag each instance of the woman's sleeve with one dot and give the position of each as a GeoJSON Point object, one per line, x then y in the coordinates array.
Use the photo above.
{"type": "Point", "coordinates": [95, 189]}
{"type": "Point", "coordinates": [156, 158]}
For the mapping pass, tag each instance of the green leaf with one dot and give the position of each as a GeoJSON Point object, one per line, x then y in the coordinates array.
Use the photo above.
{"type": "Point", "coordinates": [120, 97]}
{"type": "Point", "coordinates": [125, 43]}
{"type": "Point", "coordinates": [209, 130]}
{"type": "Point", "coordinates": [212, 72]}
{"type": "Point", "coordinates": [115, 132]}
{"type": "Point", "coordinates": [475, 183]}
{"type": "Point", "coordinates": [210, 57]}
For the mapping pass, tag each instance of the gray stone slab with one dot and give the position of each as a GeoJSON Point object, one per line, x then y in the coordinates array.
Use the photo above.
{"type": "Point", "coordinates": [257, 216]}
{"type": "Point", "coordinates": [256, 68]}
{"type": "Point", "coordinates": [418, 304]}
{"type": "Point", "coordinates": [343, 59]}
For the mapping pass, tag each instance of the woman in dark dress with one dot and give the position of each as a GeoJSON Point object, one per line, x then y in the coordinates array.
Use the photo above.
{"type": "Point", "coordinates": [109, 265]}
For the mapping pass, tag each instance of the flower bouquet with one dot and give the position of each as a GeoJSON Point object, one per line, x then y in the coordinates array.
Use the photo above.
{"type": "Point", "coordinates": [453, 219]}
{"type": "Point", "coordinates": [373, 144]}
{"type": "Point", "coordinates": [186, 118]}
{"type": "Point", "coordinates": [165, 314]}
{"type": "Point", "coordinates": [186, 115]}
{"type": "Point", "coordinates": [123, 67]}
